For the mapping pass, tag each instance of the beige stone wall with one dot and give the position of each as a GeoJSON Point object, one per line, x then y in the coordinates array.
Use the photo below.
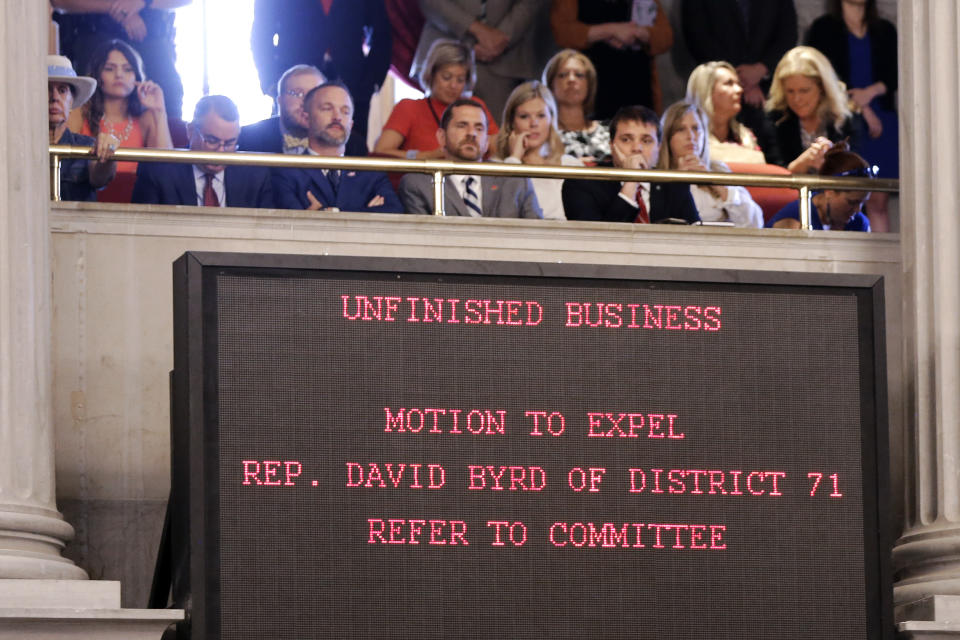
{"type": "Point", "coordinates": [112, 326]}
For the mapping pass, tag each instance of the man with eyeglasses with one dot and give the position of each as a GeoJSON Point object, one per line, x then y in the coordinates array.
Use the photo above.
{"type": "Point", "coordinates": [287, 131]}
{"type": "Point", "coordinates": [329, 110]}
{"type": "Point", "coordinates": [215, 127]}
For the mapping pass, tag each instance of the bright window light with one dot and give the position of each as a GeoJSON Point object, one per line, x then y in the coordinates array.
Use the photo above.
{"type": "Point", "coordinates": [228, 62]}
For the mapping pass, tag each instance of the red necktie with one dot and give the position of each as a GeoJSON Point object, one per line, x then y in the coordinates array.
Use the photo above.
{"type": "Point", "coordinates": [326, 5]}
{"type": "Point", "coordinates": [209, 195]}
{"type": "Point", "coordinates": [643, 217]}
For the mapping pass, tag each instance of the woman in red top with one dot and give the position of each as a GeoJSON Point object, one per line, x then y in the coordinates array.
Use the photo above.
{"type": "Point", "coordinates": [411, 130]}
{"type": "Point", "coordinates": [126, 106]}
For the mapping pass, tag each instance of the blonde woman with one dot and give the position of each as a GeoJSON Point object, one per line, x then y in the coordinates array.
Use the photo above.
{"type": "Point", "coordinates": [808, 107]}
{"type": "Point", "coordinates": [685, 148]}
{"type": "Point", "coordinates": [573, 80]}
{"type": "Point", "coordinates": [529, 136]}
{"type": "Point", "coordinates": [716, 87]}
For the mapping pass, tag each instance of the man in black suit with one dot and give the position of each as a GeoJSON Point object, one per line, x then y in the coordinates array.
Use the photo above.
{"type": "Point", "coordinates": [215, 126]}
{"type": "Point", "coordinates": [286, 132]}
{"type": "Point", "coordinates": [635, 144]}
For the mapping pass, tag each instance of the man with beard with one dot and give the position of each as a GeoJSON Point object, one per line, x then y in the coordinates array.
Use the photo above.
{"type": "Point", "coordinates": [215, 127]}
{"type": "Point", "coordinates": [463, 137]}
{"type": "Point", "coordinates": [286, 132]}
{"type": "Point", "coordinates": [329, 110]}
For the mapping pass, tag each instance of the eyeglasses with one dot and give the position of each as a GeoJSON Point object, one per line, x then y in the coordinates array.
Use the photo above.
{"type": "Point", "coordinates": [295, 93]}
{"type": "Point", "coordinates": [214, 143]}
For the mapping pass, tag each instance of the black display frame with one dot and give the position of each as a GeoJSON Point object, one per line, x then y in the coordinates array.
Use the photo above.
{"type": "Point", "coordinates": [194, 443]}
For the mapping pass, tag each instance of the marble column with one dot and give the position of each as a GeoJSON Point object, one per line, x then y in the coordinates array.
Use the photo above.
{"type": "Point", "coordinates": [32, 532]}
{"type": "Point", "coordinates": [927, 556]}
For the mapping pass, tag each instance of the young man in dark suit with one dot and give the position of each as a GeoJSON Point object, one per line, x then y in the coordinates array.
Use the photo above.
{"type": "Point", "coordinates": [215, 127]}
{"type": "Point", "coordinates": [329, 111]}
{"type": "Point", "coordinates": [635, 144]}
{"type": "Point", "coordinates": [463, 138]}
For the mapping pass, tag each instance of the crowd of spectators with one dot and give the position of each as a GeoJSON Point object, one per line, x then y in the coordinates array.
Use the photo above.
{"type": "Point", "coordinates": [496, 88]}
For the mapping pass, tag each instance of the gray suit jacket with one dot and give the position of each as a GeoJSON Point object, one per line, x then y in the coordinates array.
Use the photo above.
{"type": "Point", "coordinates": [526, 23]}
{"type": "Point", "coordinates": [501, 197]}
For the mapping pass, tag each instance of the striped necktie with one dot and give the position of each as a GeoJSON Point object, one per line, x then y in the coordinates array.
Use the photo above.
{"type": "Point", "coordinates": [470, 197]}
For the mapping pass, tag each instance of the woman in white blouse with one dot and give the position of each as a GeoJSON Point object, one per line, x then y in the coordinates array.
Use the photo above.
{"type": "Point", "coordinates": [685, 148]}
{"type": "Point", "coordinates": [529, 136]}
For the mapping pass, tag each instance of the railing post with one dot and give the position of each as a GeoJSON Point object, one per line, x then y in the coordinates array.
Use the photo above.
{"type": "Point", "coordinates": [55, 177]}
{"type": "Point", "coordinates": [438, 179]}
{"type": "Point", "coordinates": [805, 222]}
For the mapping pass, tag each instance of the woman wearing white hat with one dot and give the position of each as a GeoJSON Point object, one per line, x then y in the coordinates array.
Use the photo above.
{"type": "Point", "coordinates": [79, 178]}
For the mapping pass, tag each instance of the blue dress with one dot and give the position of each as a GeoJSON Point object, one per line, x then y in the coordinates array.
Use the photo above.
{"type": "Point", "coordinates": [883, 151]}
{"type": "Point", "coordinates": [858, 222]}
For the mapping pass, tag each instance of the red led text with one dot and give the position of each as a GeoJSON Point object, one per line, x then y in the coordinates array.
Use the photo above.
{"type": "Point", "coordinates": [479, 422]}
{"type": "Point", "coordinates": [707, 482]}
{"type": "Point", "coordinates": [412, 475]}
{"type": "Point", "coordinates": [613, 315]}
{"type": "Point", "coordinates": [414, 531]}
{"type": "Point", "coordinates": [637, 535]}
{"type": "Point", "coordinates": [271, 473]}
{"type": "Point", "coordinates": [629, 425]}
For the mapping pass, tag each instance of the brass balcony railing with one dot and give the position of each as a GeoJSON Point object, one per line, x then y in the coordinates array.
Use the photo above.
{"type": "Point", "coordinates": [439, 169]}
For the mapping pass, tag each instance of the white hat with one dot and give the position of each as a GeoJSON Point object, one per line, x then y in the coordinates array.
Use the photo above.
{"type": "Point", "coordinates": [60, 69]}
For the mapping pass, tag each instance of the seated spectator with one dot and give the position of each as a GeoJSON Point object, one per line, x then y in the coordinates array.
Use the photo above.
{"type": "Point", "coordinates": [329, 122]}
{"type": "Point", "coordinates": [621, 38]}
{"type": "Point", "coordinates": [830, 209]}
{"type": "Point", "coordinates": [684, 132]}
{"type": "Point", "coordinates": [126, 105]}
{"type": "Point", "coordinates": [215, 127]}
{"type": "Point", "coordinates": [463, 137]}
{"type": "Point", "coordinates": [286, 132]}
{"type": "Point", "coordinates": [79, 178]}
{"type": "Point", "coordinates": [808, 107]}
{"type": "Point", "coordinates": [717, 89]}
{"type": "Point", "coordinates": [529, 136]}
{"type": "Point", "coordinates": [635, 132]}
{"type": "Point", "coordinates": [573, 79]}
{"type": "Point", "coordinates": [411, 130]}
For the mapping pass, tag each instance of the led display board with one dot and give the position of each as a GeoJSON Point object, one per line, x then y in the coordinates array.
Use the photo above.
{"type": "Point", "coordinates": [373, 448]}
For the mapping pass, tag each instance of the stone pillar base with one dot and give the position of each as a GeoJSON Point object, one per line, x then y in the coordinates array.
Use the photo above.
{"type": "Point", "coordinates": [930, 618]}
{"type": "Point", "coordinates": [31, 540]}
{"type": "Point", "coordinates": [927, 562]}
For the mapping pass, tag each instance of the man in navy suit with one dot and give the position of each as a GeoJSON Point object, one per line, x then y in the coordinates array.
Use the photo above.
{"type": "Point", "coordinates": [635, 144]}
{"type": "Point", "coordinates": [330, 118]}
{"type": "Point", "coordinates": [286, 132]}
{"type": "Point", "coordinates": [215, 126]}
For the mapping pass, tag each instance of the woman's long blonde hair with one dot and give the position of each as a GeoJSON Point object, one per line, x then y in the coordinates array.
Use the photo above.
{"type": "Point", "coordinates": [700, 90]}
{"type": "Point", "coordinates": [527, 91]}
{"type": "Point", "coordinates": [810, 63]}
{"type": "Point", "coordinates": [669, 124]}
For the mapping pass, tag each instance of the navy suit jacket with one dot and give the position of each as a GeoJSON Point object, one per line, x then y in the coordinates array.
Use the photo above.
{"type": "Point", "coordinates": [261, 136]}
{"type": "Point", "coordinates": [356, 189]}
{"type": "Point", "coordinates": [173, 183]}
{"type": "Point", "coordinates": [599, 200]}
